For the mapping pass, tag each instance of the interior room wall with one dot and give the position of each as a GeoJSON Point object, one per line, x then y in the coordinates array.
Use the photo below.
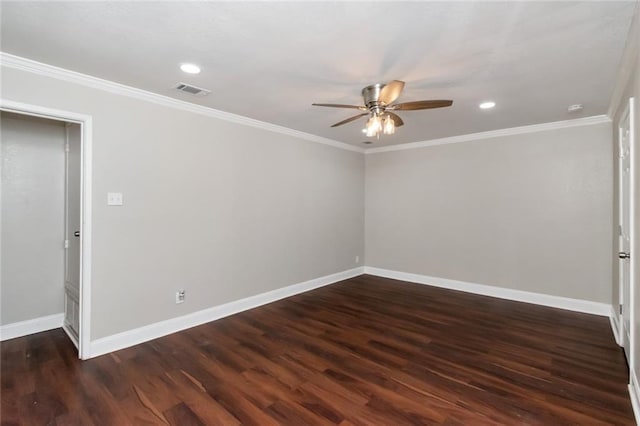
{"type": "Point", "coordinates": [227, 211]}
{"type": "Point", "coordinates": [32, 225]}
{"type": "Point", "coordinates": [528, 212]}
{"type": "Point", "coordinates": [219, 209]}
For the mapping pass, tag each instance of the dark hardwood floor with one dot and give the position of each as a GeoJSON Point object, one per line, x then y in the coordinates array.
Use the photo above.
{"type": "Point", "coordinates": [361, 352]}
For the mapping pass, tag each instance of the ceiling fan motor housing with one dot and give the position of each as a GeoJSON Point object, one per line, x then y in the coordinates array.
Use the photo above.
{"type": "Point", "coordinates": [371, 95]}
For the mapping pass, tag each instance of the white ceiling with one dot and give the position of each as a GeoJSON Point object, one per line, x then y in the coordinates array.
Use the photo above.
{"type": "Point", "coordinates": [271, 60]}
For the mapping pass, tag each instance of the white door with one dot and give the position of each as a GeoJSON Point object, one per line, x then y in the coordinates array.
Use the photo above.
{"type": "Point", "coordinates": [72, 231]}
{"type": "Point", "coordinates": [624, 235]}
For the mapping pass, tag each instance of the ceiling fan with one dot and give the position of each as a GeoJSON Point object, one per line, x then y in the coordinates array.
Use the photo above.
{"type": "Point", "coordinates": [378, 105]}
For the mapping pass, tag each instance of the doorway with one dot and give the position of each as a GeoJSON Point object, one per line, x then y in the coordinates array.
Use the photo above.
{"type": "Point", "coordinates": [626, 228]}
{"type": "Point", "coordinates": [51, 180]}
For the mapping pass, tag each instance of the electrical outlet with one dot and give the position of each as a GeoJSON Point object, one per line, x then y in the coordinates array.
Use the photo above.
{"type": "Point", "coordinates": [179, 296]}
{"type": "Point", "coordinates": [357, 259]}
{"type": "Point", "coordinates": [114, 199]}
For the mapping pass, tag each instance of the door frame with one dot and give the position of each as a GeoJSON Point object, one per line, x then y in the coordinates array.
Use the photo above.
{"type": "Point", "coordinates": [86, 144]}
{"type": "Point", "coordinates": [629, 111]}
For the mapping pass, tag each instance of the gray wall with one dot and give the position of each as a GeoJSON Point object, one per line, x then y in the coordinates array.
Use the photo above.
{"type": "Point", "coordinates": [529, 212]}
{"type": "Point", "coordinates": [32, 228]}
{"type": "Point", "coordinates": [227, 211]}
{"type": "Point", "coordinates": [223, 210]}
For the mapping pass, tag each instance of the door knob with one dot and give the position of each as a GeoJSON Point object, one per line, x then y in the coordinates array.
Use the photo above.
{"type": "Point", "coordinates": [76, 234]}
{"type": "Point", "coordinates": [623, 255]}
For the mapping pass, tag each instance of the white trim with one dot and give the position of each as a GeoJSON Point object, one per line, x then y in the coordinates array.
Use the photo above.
{"type": "Point", "coordinates": [32, 326]}
{"type": "Point", "coordinates": [634, 392]}
{"type": "Point", "coordinates": [628, 114]}
{"type": "Point", "coordinates": [586, 121]}
{"type": "Point", "coordinates": [86, 236]}
{"type": "Point", "coordinates": [621, 301]}
{"type": "Point", "coordinates": [159, 329]}
{"type": "Point", "coordinates": [40, 111]}
{"type": "Point", "coordinates": [578, 305]}
{"type": "Point", "coordinates": [85, 122]}
{"type": "Point", "coordinates": [24, 64]}
{"type": "Point", "coordinates": [615, 327]}
{"type": "Point", "coordinates": [632, 232]}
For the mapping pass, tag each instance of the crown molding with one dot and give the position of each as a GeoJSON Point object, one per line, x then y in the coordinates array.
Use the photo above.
{"type": "Point", "coordinates": [16, 62]}
{"type": "Point", "coordinates": [586, 121]}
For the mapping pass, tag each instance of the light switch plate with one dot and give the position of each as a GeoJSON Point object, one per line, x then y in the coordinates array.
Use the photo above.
{"type": "Point", "coordinates": [114, 199]}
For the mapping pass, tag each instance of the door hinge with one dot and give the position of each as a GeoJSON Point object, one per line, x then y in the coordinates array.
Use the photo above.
{"type": "Point", "coordinates": [620, 309]}
{"type": "Point", "coordinates": [66, 147]}
{"type": "Point", "coordinates": [66, 244]}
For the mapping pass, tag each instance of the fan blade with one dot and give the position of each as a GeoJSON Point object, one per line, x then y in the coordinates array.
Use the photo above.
{"type": "Point", "coordinates": [350, 119]}
{"type": "Point", "coordinates": [391, 91]}
{"type": "Point", "coordinates": [362, 107]}
{"type": "Point", "coordinates": [408, 106]}
{"type": "Point", "coordinates": [396, 119]}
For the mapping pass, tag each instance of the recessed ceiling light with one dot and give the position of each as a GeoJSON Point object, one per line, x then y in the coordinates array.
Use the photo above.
{"type": "Point", "coordinates": [487, 105]}
{"type": "Point", "coordinates": [190, 68]}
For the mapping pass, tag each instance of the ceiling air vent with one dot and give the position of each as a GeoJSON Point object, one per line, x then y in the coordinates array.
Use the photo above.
{"type": "Point", "coordinates": [193, 90]}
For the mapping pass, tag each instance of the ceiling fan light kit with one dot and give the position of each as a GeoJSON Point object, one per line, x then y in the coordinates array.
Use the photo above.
{"type": "Point", "coordinates": [378, 106]}
{"type": "Point", "coordinates": [377, 124]}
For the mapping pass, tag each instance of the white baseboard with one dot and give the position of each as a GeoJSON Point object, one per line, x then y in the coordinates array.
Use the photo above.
{"type": "Point", "coordinates": [36, 325]}
{"type": "Point", "coordinates": [634, 392]}
{"type": "Point", "coordinates": [615, 326]}
{"type": "Point", "coordinates": [577, 305]}
{"type": "Point", "coordinates": [153, 331]}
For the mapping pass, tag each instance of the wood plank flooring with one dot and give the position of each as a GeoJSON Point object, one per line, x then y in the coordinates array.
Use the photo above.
{"type": "Point", "coordinates": [366, 351]}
